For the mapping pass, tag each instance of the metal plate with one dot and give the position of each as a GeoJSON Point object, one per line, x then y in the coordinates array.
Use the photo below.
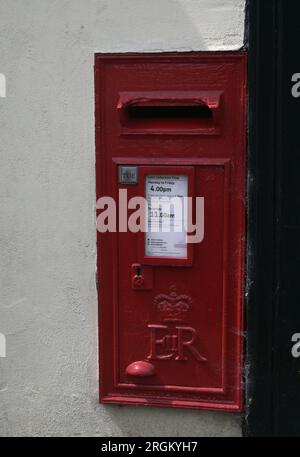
{"type": "Point", "coordinates": [128, 175]}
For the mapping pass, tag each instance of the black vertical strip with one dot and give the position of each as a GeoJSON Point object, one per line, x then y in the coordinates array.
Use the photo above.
{"type": "Point", "coordinates": [287, 315]}
{"type": "Point", "coordinates": [262, 214]}
{"type": "Point", "coordinates": [278, 189]}
{"type": "Point", "coordinates": [273, 308]}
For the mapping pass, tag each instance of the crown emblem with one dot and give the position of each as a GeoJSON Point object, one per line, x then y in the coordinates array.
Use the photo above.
{"type": "Point", "coordinates": [173, 307]}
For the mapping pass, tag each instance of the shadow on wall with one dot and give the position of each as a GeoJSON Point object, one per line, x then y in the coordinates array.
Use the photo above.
{"type": "Point", "coordinates": [145, 421]}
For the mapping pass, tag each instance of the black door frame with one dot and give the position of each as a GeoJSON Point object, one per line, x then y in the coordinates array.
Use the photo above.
{"type": "Point", "coordinates": [272, 375]}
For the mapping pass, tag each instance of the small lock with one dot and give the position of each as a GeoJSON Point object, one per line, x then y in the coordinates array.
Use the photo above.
{"type": "Point", "coordinates": [141, 277]}
{"type": "Point", "coordinates": [137, 281]}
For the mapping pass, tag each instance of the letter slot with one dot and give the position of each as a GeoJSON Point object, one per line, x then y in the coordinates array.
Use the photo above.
{"type": "Point", "coordinates": [175, 112]}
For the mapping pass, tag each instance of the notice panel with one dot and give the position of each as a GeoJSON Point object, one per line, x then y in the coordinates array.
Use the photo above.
{"type": "Point", "coordinates": [167, 216]}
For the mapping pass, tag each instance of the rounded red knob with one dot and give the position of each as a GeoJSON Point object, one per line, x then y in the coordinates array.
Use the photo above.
{"type": "Point", "coordinates": [140, 368]}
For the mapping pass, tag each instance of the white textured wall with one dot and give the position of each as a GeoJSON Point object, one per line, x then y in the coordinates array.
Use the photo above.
{"type": "Point", "coordinates": [48, 382]}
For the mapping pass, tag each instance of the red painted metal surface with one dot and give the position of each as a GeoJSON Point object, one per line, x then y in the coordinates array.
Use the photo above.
{"type": "Point", "coordinates": [170, 333]}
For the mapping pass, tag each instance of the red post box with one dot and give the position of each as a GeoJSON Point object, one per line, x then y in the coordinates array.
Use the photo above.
{"type": "Point", "coordinates": [170, 310]}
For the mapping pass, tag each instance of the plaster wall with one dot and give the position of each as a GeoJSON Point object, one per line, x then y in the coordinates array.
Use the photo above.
{"type": "Point", "coordinates": [48, 300]}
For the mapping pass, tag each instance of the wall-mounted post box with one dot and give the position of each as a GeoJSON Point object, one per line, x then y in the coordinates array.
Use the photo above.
{"type": "Point", "coordinates": [170, 305]}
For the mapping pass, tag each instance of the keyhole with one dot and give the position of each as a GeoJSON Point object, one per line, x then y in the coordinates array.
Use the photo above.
{"type": "Point", "coordinates": [138, 270]}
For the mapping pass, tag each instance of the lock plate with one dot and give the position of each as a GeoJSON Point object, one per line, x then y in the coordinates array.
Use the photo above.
{"type": "Point", "coordinates": [141, 277]}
